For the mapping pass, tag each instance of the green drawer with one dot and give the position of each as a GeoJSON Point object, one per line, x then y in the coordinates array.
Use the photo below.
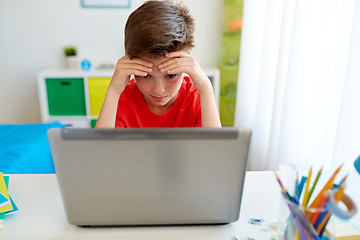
{"type": "Point", "coordinates": [230, 50]}
{"type": "Point", "coordinates": [93, 122]}
{"type": "Point", "coordinates": [228, 80]}
{"type": "Point", "coordinates": [227, 110]}
{"type": "Point", "coordinates": [66, 96]}
{"type": "Point", "coordinates": [228, 86]}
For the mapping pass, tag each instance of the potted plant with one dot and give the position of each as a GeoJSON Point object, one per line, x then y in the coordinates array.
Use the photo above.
{"type": "Point", "coordinates": [71, 57]}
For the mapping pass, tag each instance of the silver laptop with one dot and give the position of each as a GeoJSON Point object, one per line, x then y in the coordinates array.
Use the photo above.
{"type": "Point", "coordinates": [150, 176]}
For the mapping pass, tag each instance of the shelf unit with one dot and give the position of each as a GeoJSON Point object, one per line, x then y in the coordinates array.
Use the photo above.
{"type": "Point", "coordinates": [75, 97]}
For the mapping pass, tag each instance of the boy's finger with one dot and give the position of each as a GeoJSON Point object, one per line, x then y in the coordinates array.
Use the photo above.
{"type": "Point", "coordinates": [127, 71]}
{"type": "Point", "coordinates": [136, 66]}
{"type": "Point", "coordinates": [139, 61]}
{"type": "Point", "coordinates": [142, 61]}
{"type": "Point", "coordinates": [177, 70]}
{"type": "Point", "coordinates": [136, 72]}
{"type": "Point", "coordinates": [176, 54]}
{"type": "Point", "coordinates": [173, 63]}
{"type": "Point", "coordinates": [139, 73]}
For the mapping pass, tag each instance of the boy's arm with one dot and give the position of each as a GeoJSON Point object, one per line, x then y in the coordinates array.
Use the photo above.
{"type": "Point", "coordinates": [181, 62]}
{"type": "Point", "coordinates": [209, 110]}
{"type": "Point", "coordinates": [107, 115]}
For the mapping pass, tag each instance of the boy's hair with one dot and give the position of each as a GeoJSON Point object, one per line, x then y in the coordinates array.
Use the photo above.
{"type": "Point", "coordinates": [157, 28]}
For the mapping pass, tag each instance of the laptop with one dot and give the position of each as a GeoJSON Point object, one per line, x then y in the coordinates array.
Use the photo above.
{"type": "Point", "coordinates": [155, 176]}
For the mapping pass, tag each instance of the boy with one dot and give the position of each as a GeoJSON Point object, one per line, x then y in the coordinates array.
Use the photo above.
{"type": "Point", "coordinates": [158, 41]}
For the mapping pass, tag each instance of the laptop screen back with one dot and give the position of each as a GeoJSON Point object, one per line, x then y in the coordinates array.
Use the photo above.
{"type": "Point", "coordinates": [150, 176]}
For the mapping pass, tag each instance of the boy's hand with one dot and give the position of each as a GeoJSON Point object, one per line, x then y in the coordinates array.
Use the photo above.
{"type": "Point", "coordinates": [126, 67]}
{"type": "Point", "coordinates": [181, 62]}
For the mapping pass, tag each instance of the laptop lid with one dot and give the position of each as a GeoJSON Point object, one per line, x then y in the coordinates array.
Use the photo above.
{"type": "Point", "coordinates": [150, 176]}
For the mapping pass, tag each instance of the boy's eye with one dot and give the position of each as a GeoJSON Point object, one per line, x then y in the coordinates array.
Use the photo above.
{"type": "Point", "coordinates": [171, 76]}
{"type": "Point", "coordinates": [147, 76]}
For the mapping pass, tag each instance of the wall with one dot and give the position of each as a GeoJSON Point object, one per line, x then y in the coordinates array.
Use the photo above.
{"type": "Point", "coordinates": [33, 34]}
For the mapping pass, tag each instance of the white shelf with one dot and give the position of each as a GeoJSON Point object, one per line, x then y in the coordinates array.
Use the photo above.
{"type": "Point", "coordinates": [84, 121]}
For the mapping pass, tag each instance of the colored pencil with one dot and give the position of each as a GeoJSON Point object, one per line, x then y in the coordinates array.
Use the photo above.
{"type": "Point", "coordinates": [315, 182]}
{"type": "Point", "coordinates": [306, 193]}
{"type": "Point", "coordinates": [338, 196]}
{"type": "Point", "coordinates": [310, 229]}
{"type": "Point", "coordinates": [310, 225]}
{"type": "Point", "coordinates": [296, 186]}
{"type": "Point", "coordinates": [296, 234]}
{"type": "Point", "coordinates": [301, 186]}
{"type": "Point", "coordinates": [343, 180]}
{"type": "Point", "coordinates": [283, 188]}
{"type": "Point", "coordinates": [321, 205]}
{"type": "Point", "coordinates": [322, 224]}
{"type": "Point", "coordinates": [304, 234]}
{"type": "Point", "coordinates": [320, 218]}
{"type": "Point", "coordinates": [327, 186]}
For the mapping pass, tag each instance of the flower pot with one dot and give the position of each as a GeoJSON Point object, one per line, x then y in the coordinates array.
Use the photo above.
{"type": "Point", "coordinates": [72, 62]}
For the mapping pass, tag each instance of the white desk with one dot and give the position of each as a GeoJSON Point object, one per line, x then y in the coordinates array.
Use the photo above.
{"type": "Point", "coordinates": [42, 215]}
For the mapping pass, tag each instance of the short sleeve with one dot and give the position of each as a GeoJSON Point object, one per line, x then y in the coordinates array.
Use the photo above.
{"type": "Point", "coordinates": [198, 119]}
{"type": "Point", "coordinates": [119, 123]}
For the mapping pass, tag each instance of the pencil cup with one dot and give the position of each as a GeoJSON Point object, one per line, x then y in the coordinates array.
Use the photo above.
{"type": "Point", "coordinates": [304, 223]}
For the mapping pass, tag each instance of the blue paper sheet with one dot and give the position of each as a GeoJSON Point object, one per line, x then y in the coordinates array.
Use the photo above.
{"type": "Point", "coordinates": [24, 148]}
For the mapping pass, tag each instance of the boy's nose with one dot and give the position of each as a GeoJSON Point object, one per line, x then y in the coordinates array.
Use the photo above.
{"type": "Point", "coordinates": [158, 87]}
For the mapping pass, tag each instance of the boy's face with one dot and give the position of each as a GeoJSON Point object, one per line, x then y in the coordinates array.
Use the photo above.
{"type": "Point", "coordinates": [160, 89]}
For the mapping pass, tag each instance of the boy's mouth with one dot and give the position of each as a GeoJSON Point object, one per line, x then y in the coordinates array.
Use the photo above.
{"type": "Point", "coordinates": [158, 99]}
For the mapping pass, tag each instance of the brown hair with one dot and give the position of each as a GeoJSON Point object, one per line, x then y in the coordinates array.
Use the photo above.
{"type": "Point", "coordinates": [157, 28]}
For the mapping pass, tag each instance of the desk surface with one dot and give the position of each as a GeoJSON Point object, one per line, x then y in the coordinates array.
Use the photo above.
{"type": "Point", "coordinates": [42, 216]}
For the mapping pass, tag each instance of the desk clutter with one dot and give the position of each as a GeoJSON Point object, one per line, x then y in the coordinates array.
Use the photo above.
{"type": "Point", "coordinates": [311, 220]}
{"type": "Point", "coordinates": [7, 205]}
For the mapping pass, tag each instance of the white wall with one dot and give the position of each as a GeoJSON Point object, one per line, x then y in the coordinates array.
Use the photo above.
{"type": "Point", "coordinates": [33, 34]}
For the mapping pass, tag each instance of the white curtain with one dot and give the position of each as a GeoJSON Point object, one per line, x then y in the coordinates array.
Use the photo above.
{"type": "Point", "coordinates": [299, 82]}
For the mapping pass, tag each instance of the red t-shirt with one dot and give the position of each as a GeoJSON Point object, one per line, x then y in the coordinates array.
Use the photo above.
{"type": "Point", "coordinates": [133, 112]}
